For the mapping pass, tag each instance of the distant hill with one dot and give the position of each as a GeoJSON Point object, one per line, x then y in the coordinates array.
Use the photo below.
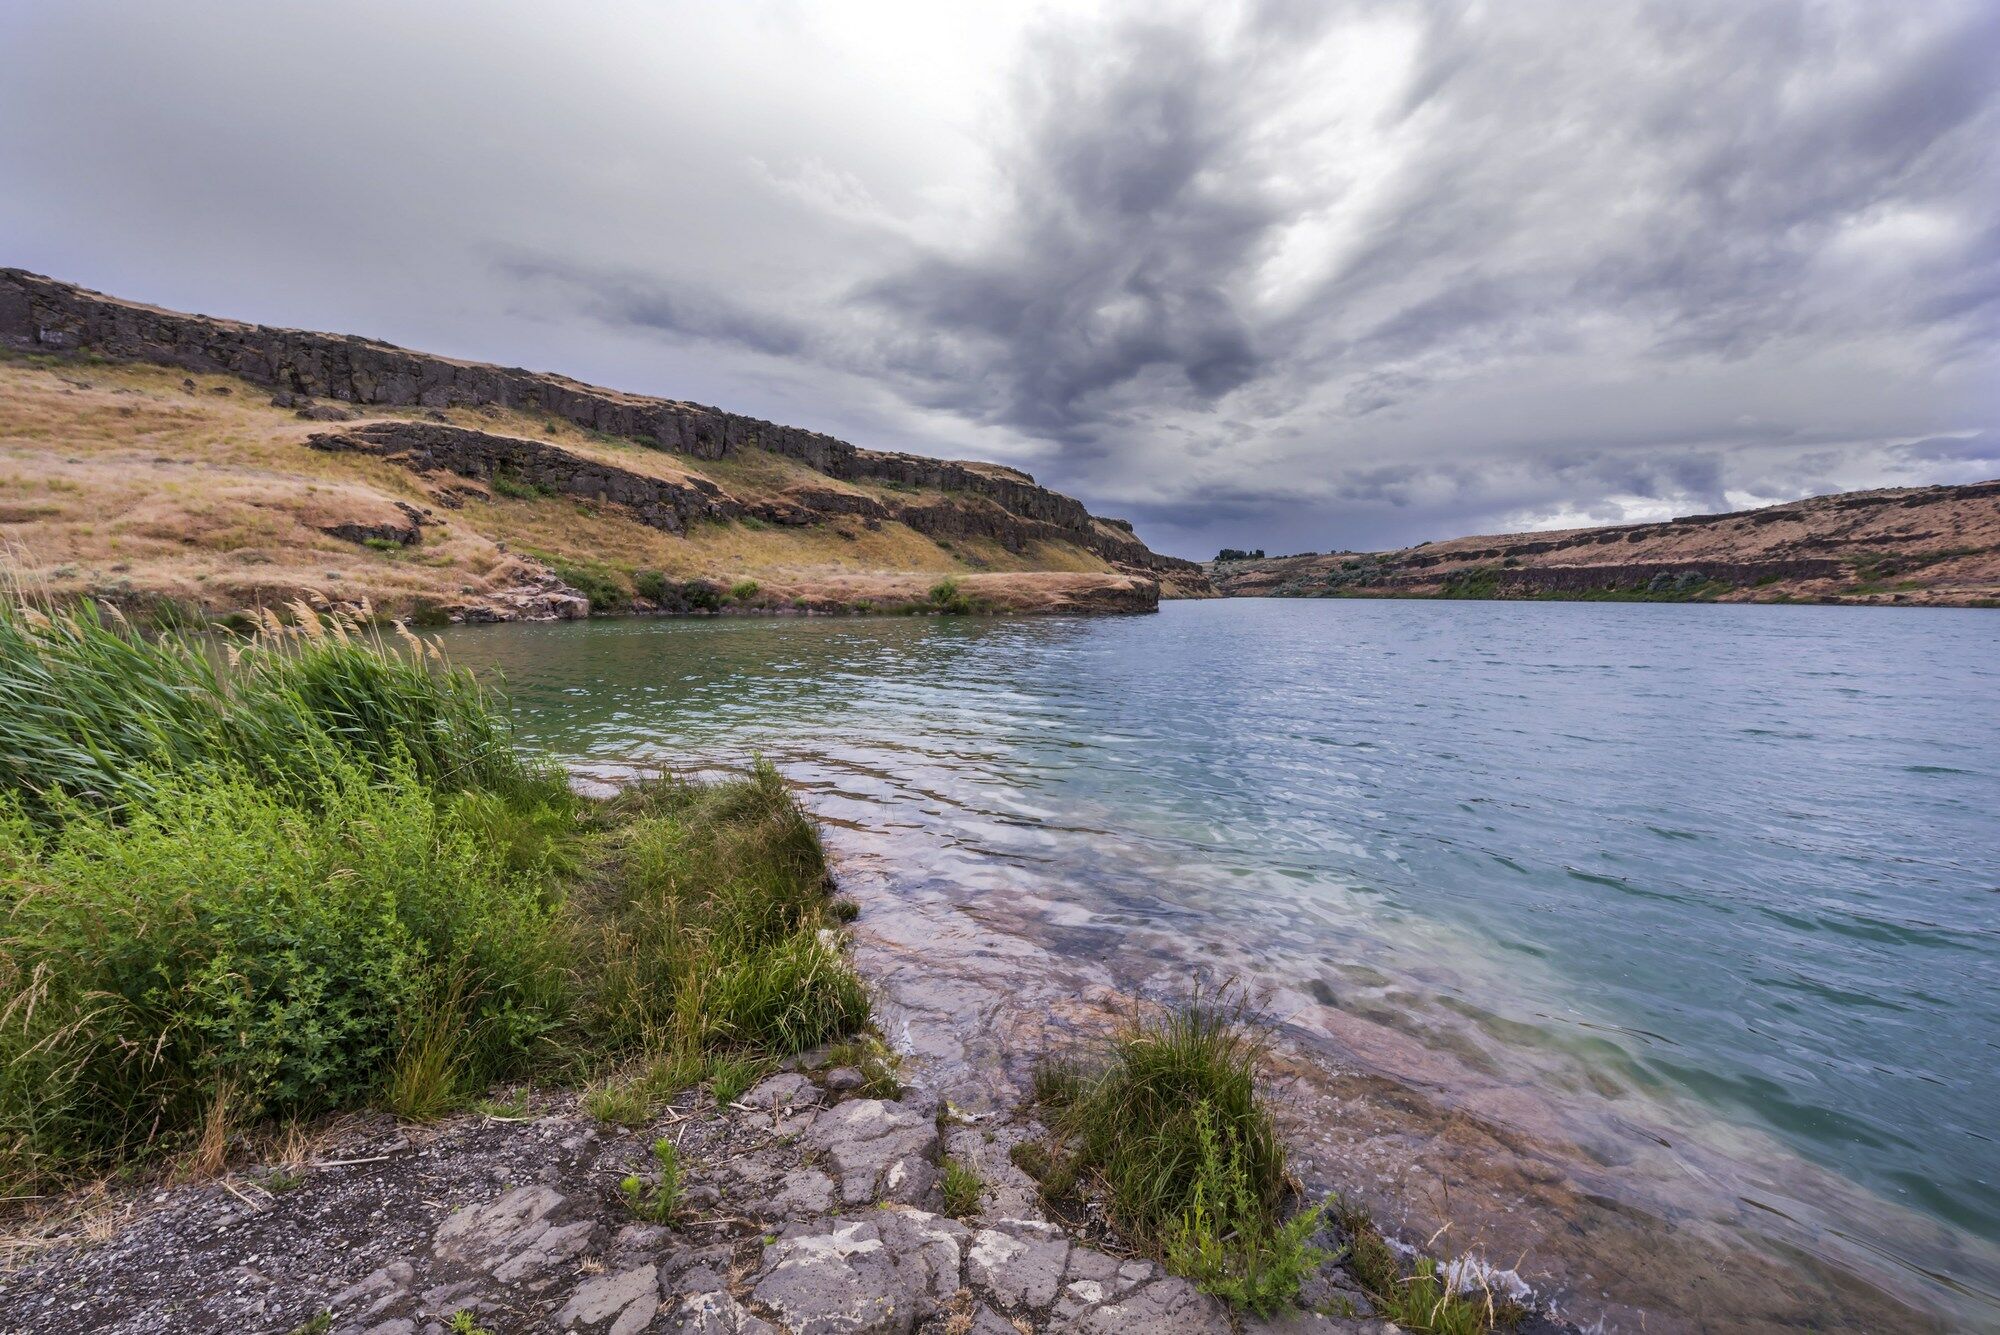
{"type": "Point", "coordinates": [1917, 545]}
{"type": "Point", "coordinates": [176, 462]}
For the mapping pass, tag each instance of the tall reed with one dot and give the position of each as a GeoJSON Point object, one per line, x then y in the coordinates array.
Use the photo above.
{"type": "Point", "coordinates": [92, 711]}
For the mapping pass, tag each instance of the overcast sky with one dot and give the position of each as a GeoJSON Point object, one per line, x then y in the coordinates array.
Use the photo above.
{"type": "Point", "coordinates": [1293, 275]}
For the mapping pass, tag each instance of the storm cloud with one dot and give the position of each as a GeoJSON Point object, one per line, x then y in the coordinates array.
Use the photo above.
{"type": "Point", "coordinates": [1284, 274]}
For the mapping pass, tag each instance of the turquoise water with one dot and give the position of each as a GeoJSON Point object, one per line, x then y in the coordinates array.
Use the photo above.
{"type": "Point", "coordinates": [1735, 860]}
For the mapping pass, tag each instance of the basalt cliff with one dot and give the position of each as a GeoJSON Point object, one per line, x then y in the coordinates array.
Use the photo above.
{"type": "Point", "coordinates": [157, 458]}
{"type": "Point", "coordinates": [1908, 545]}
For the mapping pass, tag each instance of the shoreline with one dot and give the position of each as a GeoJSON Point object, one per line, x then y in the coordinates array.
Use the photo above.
{"type": "Point", "coordinates": [975, 996]}
{"type": "Point", "coordinates": [969, 1010]}
{"type": "Point", "coordinates": [226, 1244]}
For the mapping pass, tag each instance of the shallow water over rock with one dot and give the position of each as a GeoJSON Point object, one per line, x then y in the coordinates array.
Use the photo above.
{"type": "Point", "coordinates": [1653, 948]}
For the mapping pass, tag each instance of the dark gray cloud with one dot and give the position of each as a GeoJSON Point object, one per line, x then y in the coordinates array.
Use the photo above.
{"type": "Point", "coordinates": [1277, 274]}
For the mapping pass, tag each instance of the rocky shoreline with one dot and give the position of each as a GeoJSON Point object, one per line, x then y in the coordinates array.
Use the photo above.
{"type": "Point", "coordinates": [816, 1201]}
{"type": "Point", "coordinates": [806, 1209]}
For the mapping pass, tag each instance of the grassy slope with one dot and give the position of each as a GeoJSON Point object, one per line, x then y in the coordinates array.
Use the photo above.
{"type": "Point", "coordinates": [115, 480]}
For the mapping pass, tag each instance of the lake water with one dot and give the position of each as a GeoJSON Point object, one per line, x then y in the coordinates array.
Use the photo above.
{"type": "Point", "coordinates": [1715, 889]}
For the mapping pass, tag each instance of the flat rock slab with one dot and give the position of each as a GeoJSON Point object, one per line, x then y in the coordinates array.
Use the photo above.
{"type": "Point", "coordinates": [862, 1275]}
{"type": "Point", "coordinates": [879, 1151]}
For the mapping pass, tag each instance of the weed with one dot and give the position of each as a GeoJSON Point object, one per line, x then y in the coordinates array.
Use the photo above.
{"type": "Point", "coordinates": [743, 590]}
{"type": "Point", "coordinates": [464, 1323]}
{"type": "Point", "coordinates": [513, 485]}
{"type": "Point", "coordinates": [650, 585]}
{"type": "Point", "coordinates": [604, 587]}
{"type": "Point", "coordinates": [317, 1324]}
{"type": "Point", "coordinates": [1228, 1243]}
{"type": "Point", "coordinates": [658, 1202]}
{"type": "Point", "coordinates": [962, 1187]}
{"type": "Point", "coordinates": [729, 1076]}
{"type": "Point", "coordinates": [510, 1109]}
{"type": "Point", "coordinates": [281, 1180]}
{"type": "Point", "coordinates": [620, 1102]}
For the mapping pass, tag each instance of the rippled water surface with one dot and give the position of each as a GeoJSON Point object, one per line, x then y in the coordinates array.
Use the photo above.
{"type": "Point", "coordinates": [1730, 871]}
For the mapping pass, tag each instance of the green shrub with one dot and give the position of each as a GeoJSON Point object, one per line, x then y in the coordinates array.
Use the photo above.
{"type": "Point", "coordinates": [596, 581]}
{"type": "Point", "coordinates": [743, 590]}
{"type": "Point", "coordinates": [701, 596]}
{"type": "Point", "coordinates": [507, 483]}
{"type": "Point", "coordinates": [947, 597]}
{"type": "Point", "coordinates": [219, 936]}
{"type": "Point", "coordinates": [650, 585]}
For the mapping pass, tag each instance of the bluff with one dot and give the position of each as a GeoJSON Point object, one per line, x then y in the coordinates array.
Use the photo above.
{"type": "Point", "coordinates": [936, 496]}
{"type": "Point", "coordinates": [1912, 545]}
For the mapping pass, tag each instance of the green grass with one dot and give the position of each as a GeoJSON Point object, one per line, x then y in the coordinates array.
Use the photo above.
{"type": "Point", "coordinates": [743, 590]}
{"type": "Point", "coordinates": [730, 1075]}
{"type": "Point", "coordinates": [92, 713]}
{"type": "Point", "coordinates": [1170, 1132]}
{"type": "Point", "coordinates": [1421, 1299]}
{"type": "Point", "coordinates": [961, 1186]}
{"type": "Point", "coordinates": [607, 589]}
{"type": "Point", "coordinates": [316, 874]}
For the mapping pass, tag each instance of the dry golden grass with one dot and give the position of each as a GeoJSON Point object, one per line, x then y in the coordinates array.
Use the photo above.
{"type": "Point", "coordinates": [118, 481]}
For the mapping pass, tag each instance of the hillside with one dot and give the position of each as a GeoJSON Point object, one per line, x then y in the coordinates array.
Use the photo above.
{"type": "Point", "coordinates": [180, 465]}
{"type": "Point", "coordinates": [1915, 545]}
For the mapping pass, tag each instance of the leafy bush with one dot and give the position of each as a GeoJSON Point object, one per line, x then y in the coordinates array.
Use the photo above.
{"type": "Point", "coordinates": [220, 937]}
{"type": "Point", "coordinates": [594, 580]}
{"type": "Point", "coordinates": [743, 590]}
{"type": "Point", "coordinates": [947, 597]}
{"type": "Point", "coordinates": [319, 875]}
{"type": "Point", "coordinates": [650, 585]}
{"type": "Point", "coordinates": [513, 485]}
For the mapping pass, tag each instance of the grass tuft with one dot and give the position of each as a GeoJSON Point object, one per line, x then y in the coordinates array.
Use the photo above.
{"type": "Point", "coordinates": [1171, 1132]}
{"type": "Point", "coordinates": [962, 1187]}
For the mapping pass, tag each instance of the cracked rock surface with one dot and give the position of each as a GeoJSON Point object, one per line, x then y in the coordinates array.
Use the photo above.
{"type": "Point", "coordinates": [802, 1214]}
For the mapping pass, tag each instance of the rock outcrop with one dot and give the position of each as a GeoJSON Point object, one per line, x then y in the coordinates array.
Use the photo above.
{"type": "Point", "coordinates": [43, 314]}
{"type": "Point", "coordinates": [800, 1214]}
